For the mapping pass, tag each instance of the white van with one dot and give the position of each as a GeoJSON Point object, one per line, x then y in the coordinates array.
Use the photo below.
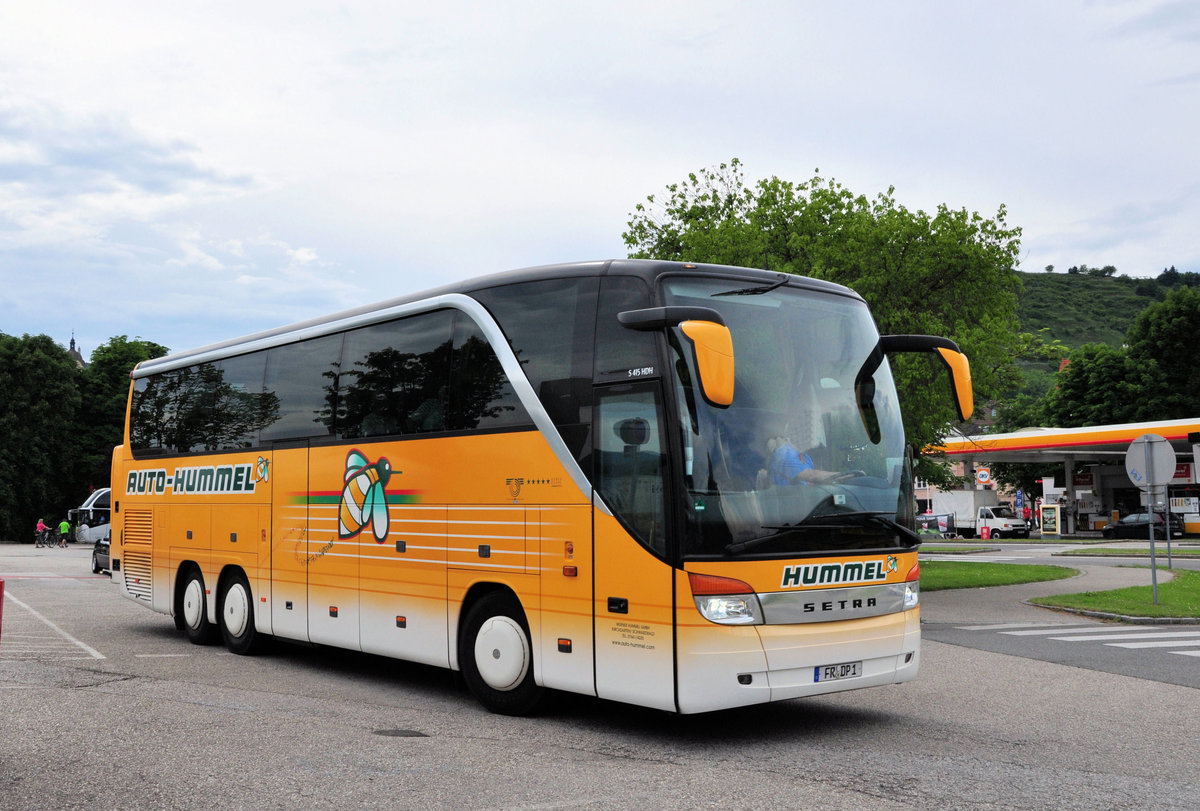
{"type": "Point", "coordinates": [92, 519]}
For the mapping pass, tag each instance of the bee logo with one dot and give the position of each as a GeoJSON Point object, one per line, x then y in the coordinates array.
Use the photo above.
{"type": "Point", "coordinates": [364, 500]}
{"type": "Point", "coordinates": [260, 469]}
{"type": "Point", "coordinates": [891, 563]}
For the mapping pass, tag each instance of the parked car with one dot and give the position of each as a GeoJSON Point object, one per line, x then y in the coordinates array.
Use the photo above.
{"type": "Point", "coordinates": [1137, 526]}
{"type": "Point", "coordinates": [100, 558]}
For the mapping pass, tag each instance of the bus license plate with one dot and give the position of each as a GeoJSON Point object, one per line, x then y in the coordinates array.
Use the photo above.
{"type": "Point", "coordinates": [846, 670]}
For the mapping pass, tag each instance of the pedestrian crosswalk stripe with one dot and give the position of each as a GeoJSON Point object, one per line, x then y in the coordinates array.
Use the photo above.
{"type": "Point", "coordinates": [1186, 652]}
{"type": "Point", "coordinates": [1169, 643]}
{"type": "Point", "coordinates": [998, 626]}
{"type": "Point", "coordinates": [1114, 637]}
{"type": "Point", "coordinates": [1066, 629]}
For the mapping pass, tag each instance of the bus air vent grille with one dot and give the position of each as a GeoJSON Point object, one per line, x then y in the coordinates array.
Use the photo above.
{"type": "Point", "coordinates": [139, 527]}
{"type": "Point", "coordinates": [137, 570]}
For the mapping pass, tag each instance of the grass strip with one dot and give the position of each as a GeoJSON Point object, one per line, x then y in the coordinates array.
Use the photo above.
{"type": "Point", "coordinates": [952, 574]}
{"type": "Point", "coordinates": [1160, 550]}
{"type": "Point", "coordinates": [957, 550]}
{"type": "Point", "coordinates": [1180, 597]}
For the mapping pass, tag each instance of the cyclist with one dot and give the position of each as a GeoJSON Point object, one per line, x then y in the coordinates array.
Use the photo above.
{"type": "Point", "coordinates": [39, 534]}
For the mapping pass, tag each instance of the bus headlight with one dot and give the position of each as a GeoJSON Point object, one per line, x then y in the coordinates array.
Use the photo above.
{"type": "Point", "coordinates": [912, 587]}
{"type": "Point", "coordinates": [725, 601]}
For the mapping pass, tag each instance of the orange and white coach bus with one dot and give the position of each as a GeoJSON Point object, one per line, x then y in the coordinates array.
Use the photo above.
{"type": "Point", "coordinates": [679, 486]}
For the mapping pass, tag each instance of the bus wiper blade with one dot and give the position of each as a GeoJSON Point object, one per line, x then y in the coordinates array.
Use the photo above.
{"type": "Point", "coordinates": [872, 515]}
{"type": "Point", "coordinates": [755, 291]}
{"type": "Point", "coordinates": [818, 521]}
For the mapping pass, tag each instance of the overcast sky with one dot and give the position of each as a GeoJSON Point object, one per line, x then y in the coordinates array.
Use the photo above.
{"type": "Point", "coordinates": [190, 172]}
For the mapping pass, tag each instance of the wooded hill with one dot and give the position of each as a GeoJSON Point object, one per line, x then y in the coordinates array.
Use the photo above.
{"type": "Point", "coordinates": [1078, 309]}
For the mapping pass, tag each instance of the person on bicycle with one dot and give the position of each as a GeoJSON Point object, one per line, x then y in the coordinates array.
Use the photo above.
{"type": "Point", "coordinates": [64, 533]}
{"type": "Point", "coordinates": [39, 534]}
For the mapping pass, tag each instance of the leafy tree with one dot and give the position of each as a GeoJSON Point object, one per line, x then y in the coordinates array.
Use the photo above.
{"type": "Point", "coordinates": [1100, 385]}
{"type": "Point", "coordinates": [38, 447]}
{"type": "Point", "coordinates": [947, 273]}
{"type": "Point", "coordinates": [1162, 341]}
{"type": "Point", "coordinates": [105, 390]}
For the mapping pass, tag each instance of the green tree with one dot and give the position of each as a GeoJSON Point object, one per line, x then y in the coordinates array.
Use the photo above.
{"type": "Point", "coordinates": [947, 273]}
{"type": "Point", "coordinates": [1100, 385]}
{"type": "Point", "coordinates": [104, 388]}
{"type": "Point", "coordinates": [38, 446]}
{"type": "Point", "coordinates": [1162, 342]}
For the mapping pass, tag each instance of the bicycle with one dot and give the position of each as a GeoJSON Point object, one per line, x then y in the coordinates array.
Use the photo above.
{"type": "Point", "coordinates": [43, 537]}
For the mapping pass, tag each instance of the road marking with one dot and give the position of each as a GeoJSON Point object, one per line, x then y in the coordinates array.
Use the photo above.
{"type": "Point", "coordinates": [998, 626]}
{"type": "Point", "coordinates": [1156, 635]}
{"type": "Point", "coordinates": [92, 652]}
{"type": "Point", "coordinates": [1066, 629]}
{"type": "Point", "coordinates": [1185, 652]}
{"type": "Point", "coordinates": [1170, 643]}
{"type": "Point", "coordinates": [161, 655]}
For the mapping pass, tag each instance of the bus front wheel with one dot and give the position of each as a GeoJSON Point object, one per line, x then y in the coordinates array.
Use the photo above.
{"type": "Point", "coordinates": [237, 616]}
{"type": "Point", "coordinates": [191, 611]}
{"type": "Point", "coordinates": [496, 655]}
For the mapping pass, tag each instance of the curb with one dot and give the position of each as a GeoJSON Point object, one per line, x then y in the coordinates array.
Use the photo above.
{"type": "Point", "coordinates": [1102, 615]}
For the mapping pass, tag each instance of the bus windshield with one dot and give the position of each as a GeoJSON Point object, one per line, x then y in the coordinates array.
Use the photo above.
{"type": "Point", "coordinates": [810, 457]}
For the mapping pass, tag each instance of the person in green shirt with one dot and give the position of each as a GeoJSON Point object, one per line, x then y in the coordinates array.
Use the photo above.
{"type": "Point", "coordinates": [64, 532]}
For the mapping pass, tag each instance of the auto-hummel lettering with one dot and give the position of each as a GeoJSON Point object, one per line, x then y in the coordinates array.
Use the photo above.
{"type": "Point", "coordinates": [859, 571]}
{"type": "Point", "coordinates": [188, 480]}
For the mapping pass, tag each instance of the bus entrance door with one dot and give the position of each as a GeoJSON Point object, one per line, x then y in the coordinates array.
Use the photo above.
{"type": "Point", "coordinates": [635, 659]}
{"type": "Point", "coordinates": [633, 609]}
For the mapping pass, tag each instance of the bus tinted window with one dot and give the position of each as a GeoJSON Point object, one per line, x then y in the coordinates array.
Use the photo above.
{"type": "Point", "coordinates": [395, 377]}
{"type": "Point", "coordinates": [172, 412]}
{"type": "Point", "coordinates": [304, 379]}
{"type": "Point", "coordinates": [623, 354]}
{"type": "Point", "coordinates": [551, 326]}
{"type": "Point", "coordinates": [630, 461]}
{"type": "Point", "coordinates": [240, 406]}
{"type": "Point", "coordinates": [481, 396]}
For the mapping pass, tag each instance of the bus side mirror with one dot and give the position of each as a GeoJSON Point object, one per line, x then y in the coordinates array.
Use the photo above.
{"type": "Point", "coordinates": [714, 359]}
{"type": "Point", "coordinates": [960, 379]}
{"type": "Point", "coordinates": [956, 362]}
{"type": "Point", "coordinates": [705, 329]}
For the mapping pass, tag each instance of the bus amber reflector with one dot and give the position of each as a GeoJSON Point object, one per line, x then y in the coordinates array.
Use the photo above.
{"type": "Point", "coordinates": [711, 584]}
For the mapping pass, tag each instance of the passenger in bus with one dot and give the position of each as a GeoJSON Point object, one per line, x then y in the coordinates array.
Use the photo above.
{"type": "Point", "coordinates": [788, 465]}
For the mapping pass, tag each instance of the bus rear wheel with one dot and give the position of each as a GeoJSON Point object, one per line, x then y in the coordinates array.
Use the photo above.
{"type": "Point", "coordinates": [191, 611]}
{"type": "Point", "coordinates": [237, 616]}
{"type": "Point", "coordinates": [496, 656]}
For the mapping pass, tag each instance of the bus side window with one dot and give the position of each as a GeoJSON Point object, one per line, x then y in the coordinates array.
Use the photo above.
{"type": "Point", "coordinates": [631, 462]}
{"type": "Point", "coordinates": [394, 377]}
{"type": "Point", "coordinates": [303, 378]}
{"type": "Point", "coordinates": [481, 396]}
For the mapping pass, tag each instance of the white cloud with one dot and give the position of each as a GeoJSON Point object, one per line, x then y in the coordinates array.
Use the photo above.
{"type": "Point", "coordinates": [210, 170]}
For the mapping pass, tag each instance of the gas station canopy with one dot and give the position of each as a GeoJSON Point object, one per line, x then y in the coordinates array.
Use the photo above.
{"type": "Point", "coordinates": [1100, 443]}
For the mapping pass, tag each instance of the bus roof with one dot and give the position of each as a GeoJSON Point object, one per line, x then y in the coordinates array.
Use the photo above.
{"type": "Point", "coordinates": [647, 269]}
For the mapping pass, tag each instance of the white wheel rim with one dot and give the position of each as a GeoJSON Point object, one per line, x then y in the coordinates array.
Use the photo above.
{"type": "Point", "coordinates": [236, 611]}
{"type": "Point", "coordinates": [501, 653]}
{"type": "Point", "coordinates": [193, 604]}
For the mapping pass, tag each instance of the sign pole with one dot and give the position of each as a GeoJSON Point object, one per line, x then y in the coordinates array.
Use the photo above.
{"type": "Point", "coordinates": [1150, 499]}
{"type": "Point", "coordinates": [1167, 516]}
{"type": "Point", "coordinates": [1149, 468]}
